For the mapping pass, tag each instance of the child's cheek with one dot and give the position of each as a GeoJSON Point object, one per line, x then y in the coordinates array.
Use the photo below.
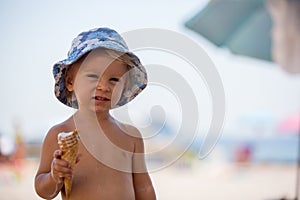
{"type": "Point", "coordinates": [116, 94]}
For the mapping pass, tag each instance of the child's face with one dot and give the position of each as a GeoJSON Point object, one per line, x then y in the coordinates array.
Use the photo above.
{"type": "Point", "coordinates": [97, 81]}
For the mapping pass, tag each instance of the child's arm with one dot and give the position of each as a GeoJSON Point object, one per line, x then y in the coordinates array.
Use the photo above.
{"type": "Point", "coordinates": [52, 169]}
{"type": "Point", "coordinates": [142, 183]}
{"type": "Point", "coordinates": [143, 187]}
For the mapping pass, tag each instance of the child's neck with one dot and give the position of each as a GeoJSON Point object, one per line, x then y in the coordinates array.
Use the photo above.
{"type": "Point", "coordinates": [100, 116]}
{"type": "Point", "coordinates": [87, 122]}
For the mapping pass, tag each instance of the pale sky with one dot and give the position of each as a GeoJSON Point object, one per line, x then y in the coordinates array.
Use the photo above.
{"type": "Point", "coordinates": [36, 34]}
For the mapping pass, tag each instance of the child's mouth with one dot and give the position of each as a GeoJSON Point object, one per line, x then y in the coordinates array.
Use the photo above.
{"type": "Point", "coordinates": [99, 98]}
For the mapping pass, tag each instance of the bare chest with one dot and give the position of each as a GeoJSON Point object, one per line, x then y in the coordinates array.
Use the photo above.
{"type": "Point", "coordinates": [102, 178]}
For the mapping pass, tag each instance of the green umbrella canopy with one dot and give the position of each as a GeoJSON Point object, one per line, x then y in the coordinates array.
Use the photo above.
{"type": "Point", "coordinates": [242, 26]}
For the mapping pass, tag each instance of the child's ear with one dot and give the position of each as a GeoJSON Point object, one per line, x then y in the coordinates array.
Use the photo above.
{"type": "Point", "coordinates": [69, 83]}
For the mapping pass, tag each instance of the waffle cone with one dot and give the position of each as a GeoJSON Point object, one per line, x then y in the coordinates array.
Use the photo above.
{"type": "Point", "coordinates": [68, 144]}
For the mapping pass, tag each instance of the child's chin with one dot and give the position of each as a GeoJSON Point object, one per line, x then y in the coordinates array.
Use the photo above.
{"type": "Point", "coordinates": [100, 109]}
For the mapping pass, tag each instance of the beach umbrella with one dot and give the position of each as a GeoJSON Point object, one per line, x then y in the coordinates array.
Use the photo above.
{"type": "Point", "coordinates": [262, 29]}
{"type": "Point", "coordinates": [253, 28]}
{"type": "Point", "coordinates": [242, 26]}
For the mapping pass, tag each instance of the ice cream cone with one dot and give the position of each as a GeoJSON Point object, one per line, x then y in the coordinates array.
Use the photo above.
{"type": "Point", "coordinates": [68, 144]}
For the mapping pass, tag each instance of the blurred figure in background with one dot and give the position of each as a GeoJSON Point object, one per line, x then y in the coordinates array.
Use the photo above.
{"type": "Point", "coordinates": [19, 150]}
{"type": "Point", "coordinates": [12, 150]}
{"type": "Point", "coordinates": [6, 149]}
{"type": "Point", "coordinates": [243, 154]}
{"type": "Point", "coordinates": [12, 157]}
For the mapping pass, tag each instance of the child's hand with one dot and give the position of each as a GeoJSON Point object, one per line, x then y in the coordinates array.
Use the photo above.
{"type": "Point", "coordinates": [60, 168]}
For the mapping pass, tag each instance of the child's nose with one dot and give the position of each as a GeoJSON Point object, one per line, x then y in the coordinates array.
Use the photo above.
{"type": "Point", "coordinates": [103, 85]}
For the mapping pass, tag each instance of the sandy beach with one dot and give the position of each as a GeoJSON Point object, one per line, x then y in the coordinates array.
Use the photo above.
{"type": "Point", "coordinates": [196, 180]}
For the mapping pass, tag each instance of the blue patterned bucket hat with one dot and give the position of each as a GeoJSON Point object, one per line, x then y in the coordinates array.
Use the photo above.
{"type": "Point", "coordinates": [84, 43]}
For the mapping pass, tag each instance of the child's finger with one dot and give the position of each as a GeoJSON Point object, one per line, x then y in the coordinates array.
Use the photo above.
{"type": "Point", "coordinates": [60, 168]}
{"type": "Point", "coordinates": [61, 163]}
{"type": "Point", "coordinates": [57, 154]}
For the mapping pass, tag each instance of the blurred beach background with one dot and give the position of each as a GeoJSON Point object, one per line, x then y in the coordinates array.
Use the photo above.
{"type": "Point", "coordinates": [254, 159]}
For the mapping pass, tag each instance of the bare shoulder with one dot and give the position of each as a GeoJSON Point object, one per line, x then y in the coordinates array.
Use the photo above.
{"type": "Point", "coordinates": [65, 126]}
{"type": "Point", "coordinates": [135, 135]}
{"type": "Point", "coordinates": [129, 130]}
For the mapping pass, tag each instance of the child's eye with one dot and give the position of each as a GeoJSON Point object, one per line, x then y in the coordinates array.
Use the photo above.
{"type": "Point", "coordinates": [115, 79]}
{"type": "Point", "coordinates": [95, 76]}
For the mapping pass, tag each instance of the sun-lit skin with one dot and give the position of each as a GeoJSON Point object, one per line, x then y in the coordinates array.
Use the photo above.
{"type": "Point", "coordinates": [97, 82]}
